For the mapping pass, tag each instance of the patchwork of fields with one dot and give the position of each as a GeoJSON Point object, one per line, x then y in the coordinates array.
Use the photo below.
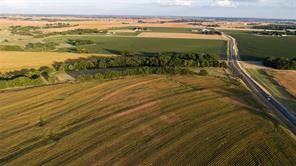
{"type": "Point", "coordinates": [151, 120]}
{"type": "Point", "coordinates": [254, 47]}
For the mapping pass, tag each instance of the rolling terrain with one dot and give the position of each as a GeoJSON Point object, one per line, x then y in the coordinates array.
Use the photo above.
{"type": "Point", "coordinates": [150, 120]}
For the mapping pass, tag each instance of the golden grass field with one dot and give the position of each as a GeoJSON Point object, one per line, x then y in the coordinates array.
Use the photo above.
{"type": "Point", "coordinates": [287, 79]}
{"type": "Point", "coordinates": [151, 120]}
{"type": "Point", "coordinates": [180, 35]}
{"type": "Point", "coordinates": [277, 83]}
{"type": "Point", "coordinates": [11, 60]}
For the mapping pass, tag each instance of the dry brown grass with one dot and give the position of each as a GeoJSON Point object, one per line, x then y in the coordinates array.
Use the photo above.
{"type": "Point", "coordinates": [286, 79]}
{"type": "Point", "coordinates": [11, 60]}
{"type": "Point", "coordinates": [105, 23]}
{"type": "Point", "coordinates": [8, 22]}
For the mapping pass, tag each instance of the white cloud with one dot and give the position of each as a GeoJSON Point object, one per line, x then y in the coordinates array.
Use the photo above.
{"type": "Point", "coordinates": [225, 3]}
{"type": "Point", "coordinates": [12, 2]}
{"type": "Point", "coordinates": [174, 2]}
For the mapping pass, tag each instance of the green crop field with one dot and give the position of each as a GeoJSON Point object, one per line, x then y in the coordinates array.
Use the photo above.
{"type": "Point", "coordinates": [259, 47]}
{"type": "Point", "coordinates": [151, 120]}
{"type": "Point", "coordinates": [105, 44]}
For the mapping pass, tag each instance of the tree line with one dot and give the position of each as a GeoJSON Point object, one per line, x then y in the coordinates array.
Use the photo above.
{"type": "Point", "coordinates": [25, 77]}
{"type": "Point", "coordinates": [118, 73]}
{"type": "Point", "coordinates": [275, 26]}
{"type": "Point", "coordinates": [280, 63]}
{"type": "Point", "coordinates": [162, 60]}
{"type": "Point", "coordinates": [275, 33]}
{"type": "Point", "coordinates": [108, 68]}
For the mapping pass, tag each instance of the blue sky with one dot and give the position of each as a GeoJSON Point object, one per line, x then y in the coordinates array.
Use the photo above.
{"type": "Point", "coordinates": [221, 8]}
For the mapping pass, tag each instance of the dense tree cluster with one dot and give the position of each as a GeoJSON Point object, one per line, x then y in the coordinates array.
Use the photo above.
{"type": "Point", "coordinates": [139, 28]}
{"type": "Point", "coordinates": [208, 31]}
{"type": "Point", "coordinates": [58, 25]}
{"type": "Point", "coordinates": [213, 32]}
{"type": "Point", "coordinates": [79, 42]}
{"type": "Point", "coordinates": [25, 77]}
{"type": "Point", "coordinates": [213, 25]}
{"type": "Point", "coordinates": [275, 33]}
{"type": "Point", "coordinates": [162, 60]}
{"type": "Point", "coordinates": [280, 63]}
{"type": "Point", "coordinates": [30, 73]}
{"type": "Point", "coordinates": [115, 74]}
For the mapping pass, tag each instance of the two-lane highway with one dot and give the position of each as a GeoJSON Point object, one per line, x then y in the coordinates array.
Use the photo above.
{"type": "Point", "coordinates": [280, 110]}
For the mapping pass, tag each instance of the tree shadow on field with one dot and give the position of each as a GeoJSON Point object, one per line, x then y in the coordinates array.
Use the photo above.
{"type": "Point", "coordinates": [116, 52]}
{"type": "Point", "coordinates": [144, 53]}
{"type": "Point", "coordinates": [246, 57]}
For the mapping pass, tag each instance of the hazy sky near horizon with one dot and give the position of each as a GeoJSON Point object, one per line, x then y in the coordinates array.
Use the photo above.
{"type": "Point", "coordinates": [216, 8]}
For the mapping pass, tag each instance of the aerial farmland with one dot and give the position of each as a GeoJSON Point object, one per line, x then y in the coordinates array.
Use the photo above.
{"type": "Point", "coordinates": [147, 90]}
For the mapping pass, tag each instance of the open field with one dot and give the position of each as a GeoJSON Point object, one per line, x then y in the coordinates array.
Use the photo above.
{"type": "Point", "coordinates": [152, 120]}
{"type": "Point", "coordinates": [11, 60]}
{"type": "Point", "coordinates": [105, 44]}
{"type": "Point", "coordinates": [254, 47]}
{"type": "Point", "coordinates": [282, 93]}
{"type": "Point", "coordinates": [287, 79]}
{"type": "Point", "coordinates": [180, 36]}
{"type": "Point", "coordinates": [106, 23]}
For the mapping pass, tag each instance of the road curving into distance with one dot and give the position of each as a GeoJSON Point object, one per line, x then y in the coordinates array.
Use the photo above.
{"type": "Point", "coordinates": [280, 110]}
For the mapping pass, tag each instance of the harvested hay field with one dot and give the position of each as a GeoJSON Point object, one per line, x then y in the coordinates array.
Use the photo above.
{"type": "Point", "coordinates": [151, 120]}
{"type": "Point", "coordinates": [11, 60]}
{"type": "Point", "coordinates": [180, 35]}
{"type": "Point", "coordinates": [286, 79]}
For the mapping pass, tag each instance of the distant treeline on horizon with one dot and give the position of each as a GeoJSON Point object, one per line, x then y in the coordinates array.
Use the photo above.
{"type": "Point", "coordinates": [151, 16]}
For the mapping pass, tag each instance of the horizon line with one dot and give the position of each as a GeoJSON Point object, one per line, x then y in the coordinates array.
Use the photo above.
{"type": "Point", "coordinates": [138, 15]}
